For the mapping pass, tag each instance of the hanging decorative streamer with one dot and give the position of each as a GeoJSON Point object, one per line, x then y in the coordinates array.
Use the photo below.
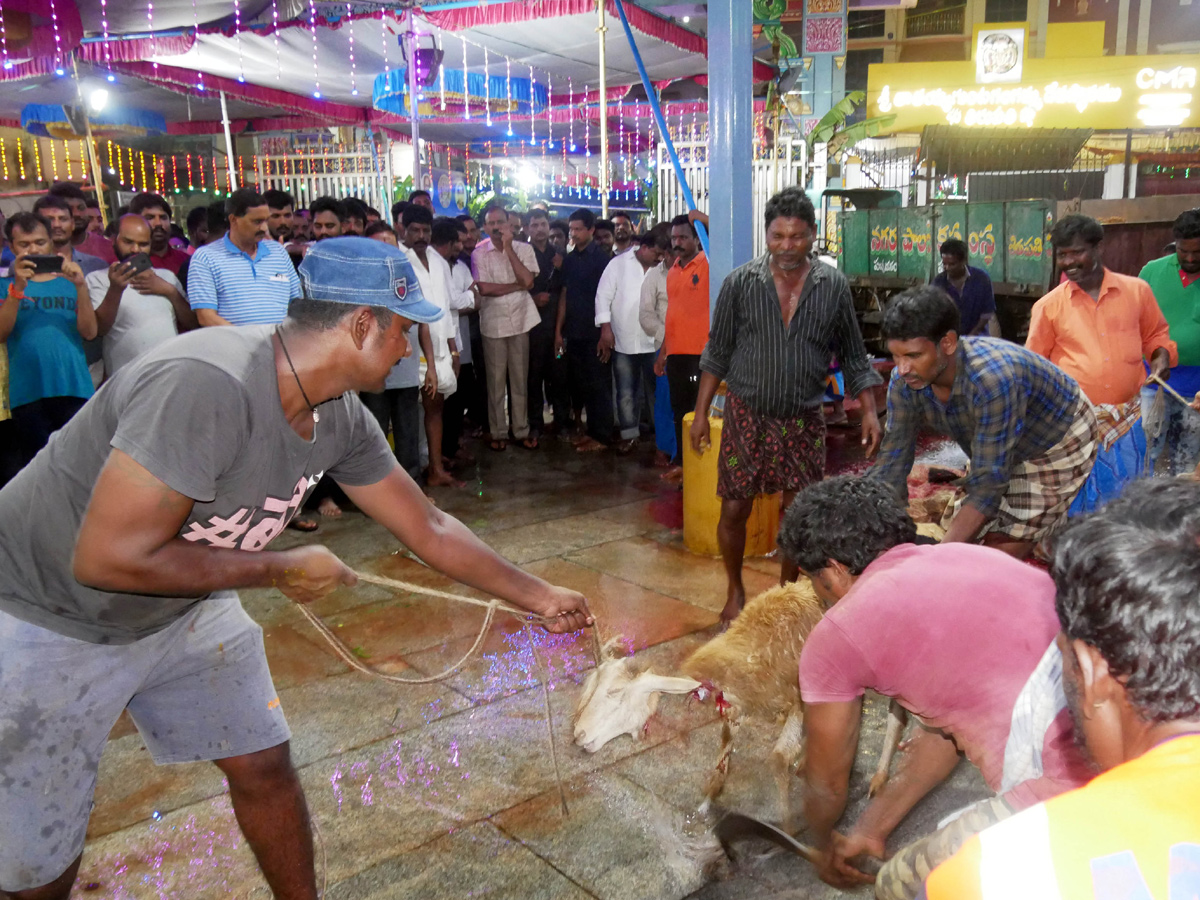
{"type": "Point", "coordinates": [353, 72]}
{"type": "Point", "coordinates": [58, 54]}
{"type": "Point", "coordinates": [275, 34]}
{"type": "Point", "coordinates": [571, 110]}
{"type": "Point", "coordinates": [199, 67]}
{"type": "Point", "coordinates": [487, 88]}
{"type": "Point", "coordinates": [312, 24]}
{"type": "Point", "coordinates": [532, 117]}
{"type": "Point", "coordinates": [507, 91]}
{"type": "Point", "coordinates": [549, 116]}
{"type": "Point", "coordinates": [587, 132]}
{"type": "Point", "coordinates": [237, 34]}
{"type": "Point", "coordinates": [149, 24]}
{"type": "Point", "coordinates": [442, 84]}
{"type": "Point", "coordinates": [467, 93]}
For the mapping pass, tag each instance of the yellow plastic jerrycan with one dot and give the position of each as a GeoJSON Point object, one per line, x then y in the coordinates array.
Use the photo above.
{"type": "Point", "coordinates": [702, 506]}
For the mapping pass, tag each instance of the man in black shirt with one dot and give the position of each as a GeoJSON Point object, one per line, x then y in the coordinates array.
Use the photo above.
{"type": "Point", "coordinates": [547, 374]}
{"type": "Point", "coordinates": [578, 336]}
{"type": "Point", "coordinates": [777, 320]}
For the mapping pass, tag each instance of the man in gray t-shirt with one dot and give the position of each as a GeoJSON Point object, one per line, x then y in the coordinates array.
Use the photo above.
{"type": "Point", "coordinates": [122, 542]}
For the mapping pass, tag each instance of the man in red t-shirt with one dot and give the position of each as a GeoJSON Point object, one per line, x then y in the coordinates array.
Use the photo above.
{"type": "Point", "coordinates": [961, 636]}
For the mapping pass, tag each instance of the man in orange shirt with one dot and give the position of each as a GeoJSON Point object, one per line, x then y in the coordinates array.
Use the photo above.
{"type": "Point", "coordinates": [1126, 598]}
{"type": "Point", "coordinates": [1098, 326]}
{"type": "Point", "coordinates": [686, 330]}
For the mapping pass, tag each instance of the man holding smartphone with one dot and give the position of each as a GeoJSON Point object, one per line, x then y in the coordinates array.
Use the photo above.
{"type": "Point", "coordinates": [137, 306]}
{"type": "Point", "coordinates": [45, 316]}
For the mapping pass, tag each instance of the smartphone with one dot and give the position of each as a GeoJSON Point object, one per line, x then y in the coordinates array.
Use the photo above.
{"type": "Point", "coordinates": [140, 262]}
{"type": "Point", "coordinates": [46, 265]}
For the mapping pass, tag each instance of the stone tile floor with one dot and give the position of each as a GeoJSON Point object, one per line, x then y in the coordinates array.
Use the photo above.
{"type": "Point", "coordinates": [448, 790]}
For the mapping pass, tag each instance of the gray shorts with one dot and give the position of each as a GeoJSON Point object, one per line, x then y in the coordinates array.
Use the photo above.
{"type": "Point", "coordinates": [198, 690]}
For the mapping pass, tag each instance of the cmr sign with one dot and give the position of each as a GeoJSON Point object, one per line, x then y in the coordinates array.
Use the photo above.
{"type": "Point", "coordinates": [1105, 92]}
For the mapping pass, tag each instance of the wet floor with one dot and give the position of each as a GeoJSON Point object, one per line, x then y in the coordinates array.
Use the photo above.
{"type": "Point", "coordinates": [448, 790]}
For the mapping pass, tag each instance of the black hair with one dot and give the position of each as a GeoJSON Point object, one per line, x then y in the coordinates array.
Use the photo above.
{"type": "Point", "coordinates": [537, 213]}
{"type": "Point", "coordinates": [68, 191]}
{"type": "Point", "coordinates": [416, 215]}
{"type": "Point", "coordinates": [277, 199]}
{"type": "Point", "coordinates": [378, 228]}
{"type": "Point", "coordinates": [622, 215]}
{"type": "Point", "coordinates": [218, 221]}
{"type": "Point", "coordinates": [465, 218]}
{"type": "Point", "coordinates": [604, 225]}
{"type": "Point", "coordinates": [242, 201]}
{"type": "Point", "coordinates": [560, 225]}
{"type": "Point", "coordinates": [195, 217]}
{"type": "Point", "coordinates": [682, 219]}
{"type": "Point", "coordinates": [147, 200]}
{"type": "Point", "coordinates": [920, 312]}
{"type": "Point", "coordinates": [1125, 582]}
{"type": "Point", "coordinates": [586, 216]}
{"type": "Point", "coordinates": [328, 204]}
{"type": "Point", "coordinates": [28, 222]}
{"type": "Point", "coordinates": [852, 519]}
{"type": "Point", "coordinates": [445, 231]}
{"type": "Point", "coordinates": [647, 239]}
{"type": "Point", "coordinates": [354, 209]}
{"type": "Point", "coordinates": [420, 192]}
{"type": "Point", "coordinates": [372, 211]}
{"type": "Point", "coordinates": [662, 235]}
{"type": "Point", "coordinates": [1068, 228]}
{"type": "Point", "coordinates": [398, 209]}
{"type": "Point", "coordinates": [1187, 226]}
{"type": "Point", "coordinates": [492, 207]}
{"type": "Point", "coordinates": [51, 201]}
{"type": "Point", "coordinates": [953, 247]}
{"type": "Point", "coordinates": [790, 203]}
{"type": "Point", "coordinates": [322, 315]}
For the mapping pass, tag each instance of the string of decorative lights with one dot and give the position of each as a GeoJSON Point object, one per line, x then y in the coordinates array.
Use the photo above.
{"type": "Point", "coordinates": [4, 39]}
{"type": "Point", "coordinates": [104, 31]}
{"type": "Point", "coordinates": [487, 82]}
{"type": "Point", "coordinates": [350, 31]}
{"type": "Point", "coordinates": [507, 91]}
{"type": "Point", "coordinates": [58, 54]}
{"type": "Point", "coordinates": [149, 27]}
{"type": "Point", "coordinates": [275, 35]}
{"type": "Point", "coordinates": [467, 92]}
{"type": "Point", "coordinates": [198, 45]}
{"type": "Point", "coordinates": [4, 157]}
{"type": "Point", "coordinates": [312, 23]}
{"type": "Point", "coordinates": [21, 159]}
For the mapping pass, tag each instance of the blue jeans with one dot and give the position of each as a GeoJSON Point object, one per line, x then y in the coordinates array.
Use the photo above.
{"type": "Point", "coordinates": [635, 387]}
{"type": "Point", "coordinates": [1179, 438]}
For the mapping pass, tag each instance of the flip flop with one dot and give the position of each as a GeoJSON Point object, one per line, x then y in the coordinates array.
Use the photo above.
{"type": "Point", "coordinates": [498, 445]}
{"type": "Point", "coordinates": [530, 443]}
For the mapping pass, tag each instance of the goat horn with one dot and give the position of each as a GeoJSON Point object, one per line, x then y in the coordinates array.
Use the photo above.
{"type": "Point", "coordinates": [669, 684]}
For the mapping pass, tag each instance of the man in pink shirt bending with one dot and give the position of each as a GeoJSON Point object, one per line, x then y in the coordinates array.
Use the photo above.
{"type": "Point", "coordinates": [961, 636]}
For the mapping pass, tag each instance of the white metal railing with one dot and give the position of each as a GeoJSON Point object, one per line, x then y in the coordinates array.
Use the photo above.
{"type": "Point", "coordinates": [770, 174]}
{"type": "Point", "coordinates": [306, 177]}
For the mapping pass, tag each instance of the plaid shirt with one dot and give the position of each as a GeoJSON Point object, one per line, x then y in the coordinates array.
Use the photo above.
{"type": "Point", "coordinates": [1007, 406]}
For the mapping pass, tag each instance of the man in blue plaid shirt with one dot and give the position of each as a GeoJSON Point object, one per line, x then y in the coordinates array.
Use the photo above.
{"type": "Point", "coordinates": [1029, 432]}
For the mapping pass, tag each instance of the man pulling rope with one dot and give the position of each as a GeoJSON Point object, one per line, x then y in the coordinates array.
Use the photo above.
{"type": "Point", "coordinates": [122, 543]}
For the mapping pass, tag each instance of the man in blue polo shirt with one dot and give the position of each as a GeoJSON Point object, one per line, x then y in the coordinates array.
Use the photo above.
{"type": "Point", "coordinates": [243, 278]}
{"type": "Point", "coordinates": [970, 288]}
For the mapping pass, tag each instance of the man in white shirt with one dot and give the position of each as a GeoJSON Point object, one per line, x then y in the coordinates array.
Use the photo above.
{"type": "Point", "coordinates": [504, 269]}
{"type": "Point", "coordinates": [136, 312]}
{"type": "Point", "coordinates": [618, 304]}
{"type": "Point", "coordinates": [441, 372]}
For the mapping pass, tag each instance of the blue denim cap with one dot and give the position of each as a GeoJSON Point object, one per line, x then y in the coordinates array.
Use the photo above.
{"type": "Point", "coordinates": [364, 272]}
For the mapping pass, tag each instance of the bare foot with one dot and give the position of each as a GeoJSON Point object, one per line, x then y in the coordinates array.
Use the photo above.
{"type": "Point", "coordinates": [590, 445]}
{"type": "Point", "coordinates": [733, 606]}
{"type": "Point", "coordinates": [442, 479]}
{"type": "Point", "coordinates": [661, 460]}
{"type": "Point", "coordinates": [329, 509]}
{"type": "Point", "coordinates": [673, 474]}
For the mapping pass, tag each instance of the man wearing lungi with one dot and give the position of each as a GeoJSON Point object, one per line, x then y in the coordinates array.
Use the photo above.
{"type": "Point", "coordinates": [1028, 429]}
{"type": "Point", "coordinates": [1098, 326]}
{"type": "Point", "coordinates": [778, 322]}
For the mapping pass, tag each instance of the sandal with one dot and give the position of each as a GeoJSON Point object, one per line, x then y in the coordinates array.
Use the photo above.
{"type": "Point", "coordinates": [497, 445]}
{"type": "Point", "coordinates": [530, 443]}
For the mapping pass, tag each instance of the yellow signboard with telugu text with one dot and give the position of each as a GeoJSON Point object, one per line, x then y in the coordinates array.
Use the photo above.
{"type": "Point", "coordinates": [1102, 92]}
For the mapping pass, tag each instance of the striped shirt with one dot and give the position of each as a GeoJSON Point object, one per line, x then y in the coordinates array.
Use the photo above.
{"type": "Point", "coordinates": [780, 371]}
{"type": "Point", "coordinates": [1007, 406]}
{"type": "Point", "coordinates": [243, 289]}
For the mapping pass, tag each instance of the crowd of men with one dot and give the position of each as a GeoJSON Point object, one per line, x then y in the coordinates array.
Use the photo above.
{"type": "Point", "coordinates": [202, 446]}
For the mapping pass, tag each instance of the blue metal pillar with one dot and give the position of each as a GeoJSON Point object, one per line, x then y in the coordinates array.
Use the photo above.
{"type": "Point", "coordinates": [731, 138]}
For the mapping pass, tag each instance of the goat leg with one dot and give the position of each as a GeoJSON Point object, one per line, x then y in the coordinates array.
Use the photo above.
{"type": "Point", "coordinates": [716, 780]}
{"type": "Point", "coordinates": [897, 720]}
{"type": "Point", "coordinates": [784, 754]}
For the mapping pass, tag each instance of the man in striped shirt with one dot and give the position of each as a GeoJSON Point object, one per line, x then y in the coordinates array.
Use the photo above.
{"type": "Point", "coordinates": [244, 278]}
{"type": "Point", "coordinates": [777, 322]}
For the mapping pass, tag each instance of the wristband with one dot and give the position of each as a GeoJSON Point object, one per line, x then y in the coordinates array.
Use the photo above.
{"type": "Point", "coordinates": [455, 354]}
{"type": "Point", "coordinates": [13, 293]}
